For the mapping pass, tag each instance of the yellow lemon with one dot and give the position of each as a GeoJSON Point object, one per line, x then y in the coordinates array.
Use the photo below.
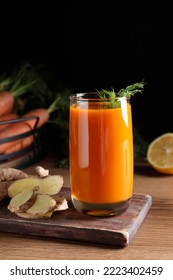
{"type": "Point", "coordinates": [160, 153]}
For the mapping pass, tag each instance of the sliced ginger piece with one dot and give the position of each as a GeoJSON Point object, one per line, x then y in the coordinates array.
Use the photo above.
{"type": "Point", "coordinates": [7, 176]}
{"type": "Point", "coordinates": [51, 185]}
{"type": "Point", "coordinates": [43, 204]}
{"type": "Point", "coordinates": [61, 202]}
{"type": "Point", "coordinates": [26, 215]}
{"type": "Point", "coordinates": [22, 201]}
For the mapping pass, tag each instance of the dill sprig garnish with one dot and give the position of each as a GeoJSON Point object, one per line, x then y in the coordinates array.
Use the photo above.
{"type": "Point", "coordinates": [113, 96]}
{"type": "Point", "coordinates": [131, 90]}
{"type": "Point", "coordinates": [110, 94]}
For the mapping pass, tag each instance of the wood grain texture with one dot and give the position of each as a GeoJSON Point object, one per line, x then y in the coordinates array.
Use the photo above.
{"type": "Point", "coordinates": [70, 224]}
{"type": "Point", "coordinates": [152, 241]}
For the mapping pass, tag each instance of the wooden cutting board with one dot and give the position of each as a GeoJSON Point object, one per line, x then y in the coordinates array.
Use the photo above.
{"type": "Point", "coordinates": [71, 225]}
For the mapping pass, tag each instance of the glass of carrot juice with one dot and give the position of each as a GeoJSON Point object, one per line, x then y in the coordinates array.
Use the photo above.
{"type": "Point", "coordinates": [100, 154]}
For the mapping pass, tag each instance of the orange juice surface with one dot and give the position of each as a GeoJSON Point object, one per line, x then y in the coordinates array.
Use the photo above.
{"type": "Point", "coordinates": [101, 153]}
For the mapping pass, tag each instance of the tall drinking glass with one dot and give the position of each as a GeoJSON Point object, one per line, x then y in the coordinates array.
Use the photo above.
{"type": "Point", "coordinates": [101, 154]}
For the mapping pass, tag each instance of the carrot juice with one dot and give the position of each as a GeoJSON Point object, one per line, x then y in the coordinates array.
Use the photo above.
{"type": "Point", "coordinates": [101, 155]}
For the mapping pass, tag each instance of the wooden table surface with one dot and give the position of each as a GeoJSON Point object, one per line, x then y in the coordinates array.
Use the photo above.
{"type": "Point", "coordinates": [153, 240]}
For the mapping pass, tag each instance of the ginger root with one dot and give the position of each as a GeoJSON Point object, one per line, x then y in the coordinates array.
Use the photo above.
{"type": "Point", "coordinates": [22, 201]}
{"type": "Point", "coordinates": [51, 185]}
{"type": "Point", "coordinates": [32, 196]}
{"type": "Point", "coordinates": [42, 206]}
{"type": "Point", "coordinates": [9, 174]}
{"type": "Point", "coordinates": [41, 171]}
{"type": "Point", "coordinates": [61, 202]}
{"type": "Point", "coordinates": [26, 215]}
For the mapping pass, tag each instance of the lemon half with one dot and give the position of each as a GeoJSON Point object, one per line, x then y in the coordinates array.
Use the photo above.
{"type": "Point", "coordinates": [160, 153]}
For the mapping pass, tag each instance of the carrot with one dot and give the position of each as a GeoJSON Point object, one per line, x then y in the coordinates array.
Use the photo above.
{"type": "Point", "coordinates": [26, 125]}
{"type": "Point", "coordinates": [6, 102]}
{"type": "Point", "coordinates": [17, 84]}
{"type": "Point", "coordinates": [7, 97]}
{"type": "Point", "coordinates": [7, 117]}
{"type": "Point", "coordinates": [20, 146]}
{"type": "Point", "coordinates": [42, 113]}
{"type": "Point", "coordinates": [14, 129]}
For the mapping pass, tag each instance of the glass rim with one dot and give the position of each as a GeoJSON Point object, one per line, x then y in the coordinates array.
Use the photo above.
{"type": "Point", "coordinates": [87, 96]}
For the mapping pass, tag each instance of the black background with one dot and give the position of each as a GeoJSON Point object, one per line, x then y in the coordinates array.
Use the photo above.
{"type": "Point", "coordinates": [95, 48]}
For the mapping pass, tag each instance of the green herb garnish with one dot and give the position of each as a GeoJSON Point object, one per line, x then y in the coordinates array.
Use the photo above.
{"type": "Point", "coordinates": [126, 92]}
